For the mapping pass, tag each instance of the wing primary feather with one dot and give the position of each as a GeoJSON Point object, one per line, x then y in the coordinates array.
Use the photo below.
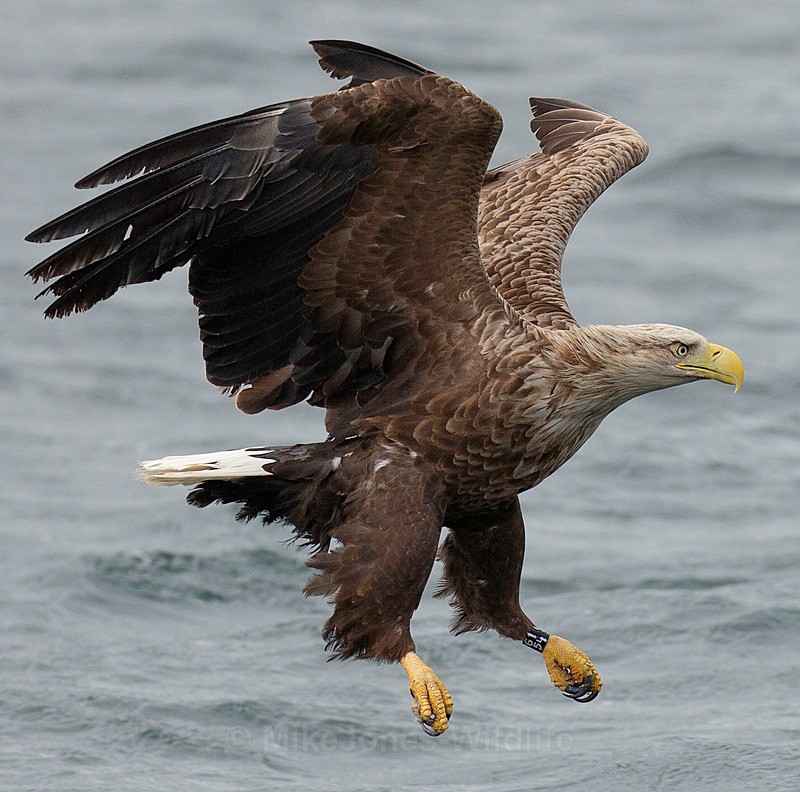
{"type": "Point", "coordinates": [81, 289]}
{"type": "Point", "coordinates": [105, 239]}
{"type": "Point", "coordinates": [173, 148]}
{"type": "Point", "coordinates": [364, 64]}
{"type": "Point", "coordinates": [541, 105]}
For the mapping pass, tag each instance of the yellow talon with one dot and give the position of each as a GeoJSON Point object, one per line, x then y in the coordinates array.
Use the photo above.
{"type": "Point", "coordinates": [432, 703]}
{"type": "Point", "coordinates": [570, 670]}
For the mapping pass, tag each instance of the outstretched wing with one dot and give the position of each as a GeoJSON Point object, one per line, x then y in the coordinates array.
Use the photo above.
{"type": "Point", "coordinates": [530, 207]}
{"type": "Point", "coordinates": [332, 240]}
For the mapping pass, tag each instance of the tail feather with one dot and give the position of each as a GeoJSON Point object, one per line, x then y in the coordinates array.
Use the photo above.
{"type": "Point", "coordinates": [302, 485]}
{"type": "Point", "coordinates": [197, 468]}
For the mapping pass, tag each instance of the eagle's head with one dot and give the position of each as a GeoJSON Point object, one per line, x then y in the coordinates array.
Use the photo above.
{"type": "Point", "coordinates": [623, 361]}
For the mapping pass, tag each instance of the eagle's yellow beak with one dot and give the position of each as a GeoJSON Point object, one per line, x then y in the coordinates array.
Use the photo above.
{"type": "Point", "coordinates": [716, 362]}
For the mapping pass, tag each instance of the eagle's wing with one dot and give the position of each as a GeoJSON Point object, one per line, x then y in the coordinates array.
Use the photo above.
{"type": "Point", "coordinates": [332, 240]}
{"type": "Point", "coordinates": [529, 207]}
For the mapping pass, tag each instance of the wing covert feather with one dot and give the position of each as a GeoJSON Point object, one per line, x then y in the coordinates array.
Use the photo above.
{"type": "Point", "coordinates": [530, 207]}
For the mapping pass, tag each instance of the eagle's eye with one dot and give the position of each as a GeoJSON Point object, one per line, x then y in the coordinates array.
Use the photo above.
{"type": "Point", "coordinates": [680, 350]}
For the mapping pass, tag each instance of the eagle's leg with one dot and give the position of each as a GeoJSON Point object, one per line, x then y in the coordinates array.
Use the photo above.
{"type": "Point", "coordinates": [375, 576]}
{"type": "Point", "coordinates": [482, 558]}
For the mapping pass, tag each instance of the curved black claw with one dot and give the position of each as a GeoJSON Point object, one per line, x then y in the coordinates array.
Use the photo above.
{"type": "Point", "coordinates": [582, 692]}
{"type": "Point", "coordinates": [427, 725]}
{"type": "Point", "coordinates": [428, 729]}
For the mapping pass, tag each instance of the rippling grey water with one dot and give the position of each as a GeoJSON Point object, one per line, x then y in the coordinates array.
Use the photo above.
{"type": "Point", "coordinates": [147, 645]}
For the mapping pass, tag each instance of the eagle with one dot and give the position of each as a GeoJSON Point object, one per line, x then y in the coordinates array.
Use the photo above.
{"type": "Point", "coordinates": [351, 249]}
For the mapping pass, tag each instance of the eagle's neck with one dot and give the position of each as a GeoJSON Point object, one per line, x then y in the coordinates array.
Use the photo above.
{"type": "Point", "coordinates": [599, 367]}
{"type": "Point", "coordinates": [574, 380]}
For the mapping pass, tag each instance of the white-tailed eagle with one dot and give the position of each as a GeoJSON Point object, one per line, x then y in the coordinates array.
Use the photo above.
{"type": "Point", "coordinates": [352, 249]}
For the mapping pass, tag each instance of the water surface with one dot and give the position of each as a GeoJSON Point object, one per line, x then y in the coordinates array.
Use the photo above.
{"type": "Point", "coordinates": [149, 645]}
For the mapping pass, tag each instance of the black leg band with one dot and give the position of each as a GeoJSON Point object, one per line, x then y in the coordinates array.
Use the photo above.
{"type": "Point", "coordinates": [537, 639]}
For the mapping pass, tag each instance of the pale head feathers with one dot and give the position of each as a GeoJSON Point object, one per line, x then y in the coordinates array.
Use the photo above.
{"type": "Point", "coordinates": [614, 363]}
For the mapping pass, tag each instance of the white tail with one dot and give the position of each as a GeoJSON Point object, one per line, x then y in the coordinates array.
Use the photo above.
{"type": "Point", "coordinates": [196, 468]}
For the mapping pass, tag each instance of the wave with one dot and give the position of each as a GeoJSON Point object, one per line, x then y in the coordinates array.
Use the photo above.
{"type": "Point", "coordinates": [720, 179]}
{"type": "Point", "coordinates": [255, 574]}
{"type": "Point", "coordinates": [723, 157]}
